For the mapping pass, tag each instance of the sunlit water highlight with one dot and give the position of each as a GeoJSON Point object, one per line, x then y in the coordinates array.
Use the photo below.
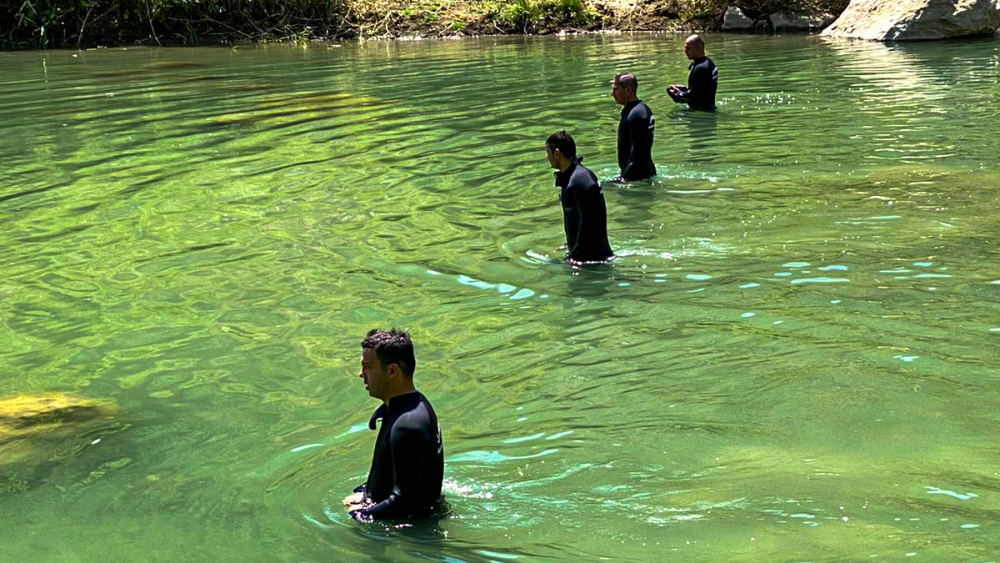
{"type": "Point", "coordinates": [792, 359]}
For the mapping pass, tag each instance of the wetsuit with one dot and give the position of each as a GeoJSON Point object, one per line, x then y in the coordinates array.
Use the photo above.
{"type": "Point", "coordinates": [635, 141]}
{"type": "Point", "coordinates": [703, 81]}
{"type": "Point", "coordinates": [585, 215]}
{"type": "Point", "coordinates": [408, 464]}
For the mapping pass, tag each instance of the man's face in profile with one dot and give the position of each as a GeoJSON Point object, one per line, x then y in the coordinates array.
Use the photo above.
{"type": "Point", "coordinates": [550, 155]}
{"type": "Point", "coordinates": [619, 93]}
{"type": "Point", "coordinates": [691, 49]}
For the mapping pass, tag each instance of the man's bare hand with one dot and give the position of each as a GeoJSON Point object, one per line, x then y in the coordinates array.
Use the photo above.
{"type": "Point", "coordinates": [354, 501]}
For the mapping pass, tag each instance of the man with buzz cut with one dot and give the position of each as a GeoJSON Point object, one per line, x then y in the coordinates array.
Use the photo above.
{"type": "Point", "coordinates": [635, 130]}
{"type": "Point", "coordinates": [585, 215]}
{"type": "Point", "coordinates": [703, 78]}
{"type": "Point", "coordinates": [408, 464]}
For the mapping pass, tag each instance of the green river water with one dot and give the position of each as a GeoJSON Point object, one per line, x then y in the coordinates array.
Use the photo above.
{"type": "Point", "coordinates": [793, 359]}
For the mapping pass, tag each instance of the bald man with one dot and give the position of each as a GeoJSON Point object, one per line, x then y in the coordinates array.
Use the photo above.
{"type": "Point", "coordinates": [703, 78]}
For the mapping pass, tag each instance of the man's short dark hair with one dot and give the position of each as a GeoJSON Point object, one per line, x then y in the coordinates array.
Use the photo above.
{"type": "Point", "coordinates": [627, 80]}
{"type": "Point", "coordinates": [392, 346]}
{"type": "Point", "coordinates": [563, 142]}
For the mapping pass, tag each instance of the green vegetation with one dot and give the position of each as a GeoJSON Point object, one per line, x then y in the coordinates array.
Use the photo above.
{"type": "Point", "coordinates": [77, 23]}
{"type": "Point", "coordinates": [713, 10]}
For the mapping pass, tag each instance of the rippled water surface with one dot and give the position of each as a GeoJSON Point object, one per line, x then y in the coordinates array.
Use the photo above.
{"type": "Point", "coordinates": [794, 357]}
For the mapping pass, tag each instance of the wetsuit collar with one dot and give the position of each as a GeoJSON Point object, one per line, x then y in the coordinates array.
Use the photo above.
{"type": "Point", "coordinates": [396, 403]}
{"type": "Point", "coordinates": [628, 107]}
{"type": "Point", "coordinates": [562, 178]}
{"type": "Point", "coordinates": [697, 61]}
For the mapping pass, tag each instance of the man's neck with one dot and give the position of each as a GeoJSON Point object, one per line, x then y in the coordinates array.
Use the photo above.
{"type": "Point", "coordinates": [406, 390]}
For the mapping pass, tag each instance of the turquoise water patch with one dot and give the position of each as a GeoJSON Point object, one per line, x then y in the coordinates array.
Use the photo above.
{"type": "Point", "coordinates": [906, 358]}
{"type": "Point", "coordinates": [821, 280]}
{"type": "Point", "coordinates": [833, 267]}
{"type": "Point", "coordinates": [495, 456]}
{"type": "Point", "coordinates": [783, 274]}
{"type": "Point", "coordinates": [523, 293]}
{"type": "Point", "coordinates": [508, 556]}
{"type": "Point", "coordinates": [466, 280]}
{"type": "Point", "coordinates": [959, 496]}
{"type": "Point", "coordinates": [795, 265]}
{"type": "Point", "coordinates": [945, 276]}
{"type": "Point", "coordinates": [749, 285]}
{"type": "Point", "coordinates": [748, 315]}
{"type": "Point", "coordinates": [923, 264]}
{"type": "Point", "coordinates": [698, 277]}
{"type": "Point", "coordinates": [523, 438]}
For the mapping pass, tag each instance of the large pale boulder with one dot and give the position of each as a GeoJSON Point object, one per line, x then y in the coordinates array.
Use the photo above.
{"type": "Point", "coordinates": [736, 20]}
{"type": "Point", "coordinates": [916, 20]}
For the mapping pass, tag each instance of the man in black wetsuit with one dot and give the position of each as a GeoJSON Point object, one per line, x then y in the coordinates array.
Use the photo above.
{"type": "Point", "coordinates": [635, 130]}
{"type": "Point", "coordinates": [703, 78]}
{"type": "Point", "coordinates": [408, 464]}
{"type": "Point", "coordinates": [585, 215]}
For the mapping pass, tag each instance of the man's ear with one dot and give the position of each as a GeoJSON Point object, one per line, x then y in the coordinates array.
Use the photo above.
{"type": "Point", "coordinates": [394, 370]}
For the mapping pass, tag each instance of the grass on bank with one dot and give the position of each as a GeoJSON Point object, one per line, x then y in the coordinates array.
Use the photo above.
{"type": "Point", "coordinates": [77, 23]}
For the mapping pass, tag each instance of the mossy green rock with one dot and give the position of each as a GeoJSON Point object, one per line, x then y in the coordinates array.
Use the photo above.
{"type": "Point", "coordinates": [43, 428]}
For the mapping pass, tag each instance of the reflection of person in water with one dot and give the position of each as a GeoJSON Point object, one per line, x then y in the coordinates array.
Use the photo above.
{"type": "Point", "coordinates": [703, 78]}
{"type": "Point", "coordinates": [585, 215]}
{"type": "Point", "coordinates": [408, 464]}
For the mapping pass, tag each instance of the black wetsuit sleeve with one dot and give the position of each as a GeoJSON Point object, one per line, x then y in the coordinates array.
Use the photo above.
{"type": "Point", "coordinates": [573, 193]}
{"type": "Point", "coordinates": [637, 127]}
{"type": "Point", "coordinates": [408, 445]}
{"type": "Point", "coordinates": [588, 219]}
{"type": "Point", "coordinates": [699, 93]}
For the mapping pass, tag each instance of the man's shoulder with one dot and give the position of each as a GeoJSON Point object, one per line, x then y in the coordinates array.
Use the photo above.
{"type": "Point", "coordinates": [582, 177]}
{"type": "Point", "coordinates": [419, 409]}
{"type": "Point", "coordinates": [640, 111]}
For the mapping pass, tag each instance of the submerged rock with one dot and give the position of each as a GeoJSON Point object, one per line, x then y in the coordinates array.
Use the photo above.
{"type": "Point", "coordinates": [916, 20]}
{"type": "Point", "coordinates": [44, 428]}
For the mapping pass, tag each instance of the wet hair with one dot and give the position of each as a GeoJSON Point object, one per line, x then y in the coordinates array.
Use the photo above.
{"type": "Point", "coordinates": [392, 346]}
{"type": "Point", "coordinates": [561, 141]}
{"type": "Point", "coordinates": [627, 80]}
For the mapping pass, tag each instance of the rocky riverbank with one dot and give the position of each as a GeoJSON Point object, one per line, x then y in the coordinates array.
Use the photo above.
{"type": "Point", "coordinates": [89, 23]}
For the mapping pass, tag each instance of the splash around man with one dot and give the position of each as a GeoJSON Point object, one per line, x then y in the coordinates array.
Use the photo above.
{"type": "Point", "coordinates": [703, 78]}
{"type": "Point", "coordinates": [585, 215]}
{"type": "Point", "coordinates": [635, 130]}
{"type": "Point", "coordinates": [408, 464]}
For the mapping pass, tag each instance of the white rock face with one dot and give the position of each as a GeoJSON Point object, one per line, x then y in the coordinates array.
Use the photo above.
{"type": "Point", "coordinates": [916, 20]}
{"type": "Point", "coordinates": [801, 22]}
{"type": "Point", "coordinates": [736, 20]}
